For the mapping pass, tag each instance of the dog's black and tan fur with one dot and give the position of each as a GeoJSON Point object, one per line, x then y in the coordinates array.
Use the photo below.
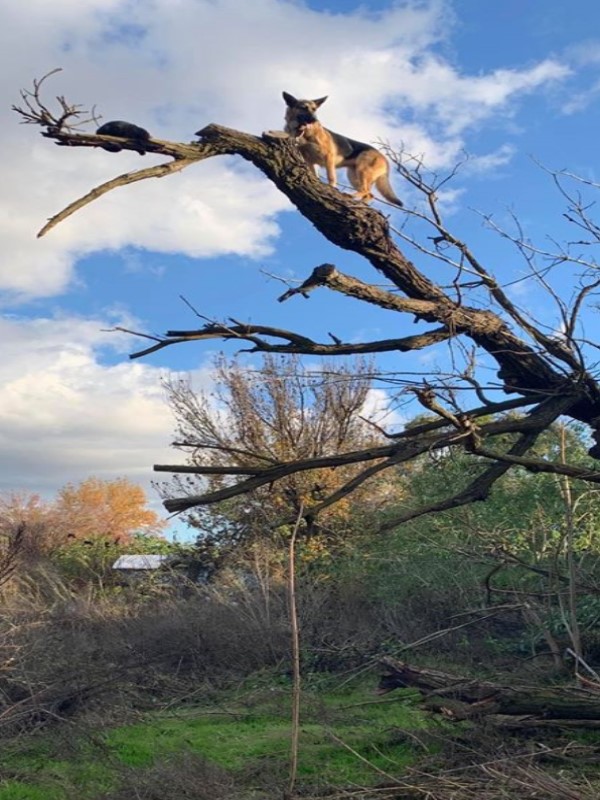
{"type": "Point", "coordinates": [320, 147]}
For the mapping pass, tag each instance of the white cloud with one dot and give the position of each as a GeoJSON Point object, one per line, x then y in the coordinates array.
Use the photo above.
{"type": "Point", "coordinates": [584, 53]}
{"type": "Point", "coordinates": [176, 65]}
{"type": "Point", "coordinates": [233, 216]}
{"type": "Point", "coordinates": [379, 408]}
{"type": "Point", "coordinates": [463, 101]}
{"type": "Point", "coordinates": [65, 416]}
{"type": "Point", "coordinates": [584, 56]}
{"type": "Point", "coordinates": [579, 101]}
{"type": "Point", "coordinates": [477, 165]}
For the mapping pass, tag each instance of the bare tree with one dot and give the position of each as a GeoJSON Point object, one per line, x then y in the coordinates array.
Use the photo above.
{"type": "Point", "coordinates": [27, 530]}
{"type": "Point", "coordinates": [547, 375]}
{"type": "Point", "coordinates": [260, 417]}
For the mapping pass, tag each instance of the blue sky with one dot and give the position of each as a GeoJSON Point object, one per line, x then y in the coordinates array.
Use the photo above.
{"type": "Point", "coordinates": [504, 81]}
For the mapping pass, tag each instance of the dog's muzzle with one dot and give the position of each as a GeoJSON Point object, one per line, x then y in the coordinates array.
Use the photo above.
{"type": "Point", "coordinates": [305, 118]}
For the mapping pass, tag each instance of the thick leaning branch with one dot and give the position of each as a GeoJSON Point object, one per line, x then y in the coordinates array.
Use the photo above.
{"type": "Point", "coordinates": [271, 474]}
{"type": "Point", "coordinates": [354, 226]}
{"type": "Point", "coordinates": [414, 443]}
{"type": "Point", "coordinates": [325, 275]}
{"type": "Point", "coordinates": [361, 229]}
{"type": "Point", "coordinates": [365, 231]}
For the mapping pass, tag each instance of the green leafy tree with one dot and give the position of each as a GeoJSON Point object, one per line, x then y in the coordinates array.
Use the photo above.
{"type": "Point", "coordinates": [534, 543]}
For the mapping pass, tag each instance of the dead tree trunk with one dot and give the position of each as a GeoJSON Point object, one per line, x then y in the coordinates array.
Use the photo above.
{"type": "Point", "coordinates": [465, 698]}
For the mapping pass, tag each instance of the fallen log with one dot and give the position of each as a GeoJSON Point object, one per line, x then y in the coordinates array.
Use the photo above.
{"type": "Point", "coordinates": [461, 698]}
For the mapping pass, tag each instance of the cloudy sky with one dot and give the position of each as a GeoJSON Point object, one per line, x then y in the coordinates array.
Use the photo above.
{"type": "Point", "coordinates": [502, 81]}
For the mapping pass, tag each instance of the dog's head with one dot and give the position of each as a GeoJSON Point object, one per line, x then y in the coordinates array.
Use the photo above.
{"type": "Point", "coordinates": [300, 113]}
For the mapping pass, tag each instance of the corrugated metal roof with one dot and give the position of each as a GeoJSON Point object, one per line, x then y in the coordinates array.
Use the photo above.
{"type": "Point", "coordinates": [140, 562]}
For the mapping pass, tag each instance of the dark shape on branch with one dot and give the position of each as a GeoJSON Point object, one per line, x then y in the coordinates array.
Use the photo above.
{"type": "Point", "coordinates": [123, 130]}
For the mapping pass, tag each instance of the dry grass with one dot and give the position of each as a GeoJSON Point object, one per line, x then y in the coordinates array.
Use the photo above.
{"type": "Point", "coordinates": [78, 653]}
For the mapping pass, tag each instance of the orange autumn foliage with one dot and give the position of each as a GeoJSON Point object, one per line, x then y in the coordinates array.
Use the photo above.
{"type": "Point", "coordinates": [107, 509]}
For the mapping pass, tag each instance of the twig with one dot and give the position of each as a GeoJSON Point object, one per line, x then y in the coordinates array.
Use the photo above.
{"type": "Point", "coordinates": [295, 648]}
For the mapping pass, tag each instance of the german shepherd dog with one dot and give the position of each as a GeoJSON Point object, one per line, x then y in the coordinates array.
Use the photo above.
{"type": "Point", "coordinates": [324, 148]}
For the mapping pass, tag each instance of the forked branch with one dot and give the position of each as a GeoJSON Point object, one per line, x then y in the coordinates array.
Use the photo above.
{"type": "Point", "coordinates": [294, 343]}
{"type": "Point", "coordinates": [35, 112]}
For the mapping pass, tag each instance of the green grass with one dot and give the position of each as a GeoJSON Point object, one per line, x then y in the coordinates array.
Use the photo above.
{"type": "Point", "coordinates": [24, 791]}
{"type": "Point", "coordinates": [46, 773]}
{"type": "Point", "coordinates": [248, 728]}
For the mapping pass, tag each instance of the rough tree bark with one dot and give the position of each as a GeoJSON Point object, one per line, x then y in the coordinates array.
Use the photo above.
{"type": "Point", "coordinates": [546, 374]}
{"type": "Point", "coordinates": [463, 698]}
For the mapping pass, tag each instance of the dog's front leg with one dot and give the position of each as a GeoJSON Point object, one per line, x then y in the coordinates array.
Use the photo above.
{"type": "Point", "coordinates": [331, 173]}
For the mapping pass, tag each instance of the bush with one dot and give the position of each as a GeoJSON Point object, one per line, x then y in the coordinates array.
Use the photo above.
{"type": "Point", "coordinates": [85, 652]}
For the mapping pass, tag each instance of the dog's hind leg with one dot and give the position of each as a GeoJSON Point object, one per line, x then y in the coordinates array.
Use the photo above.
{"type": "Point", "coordinates": [359, 178]}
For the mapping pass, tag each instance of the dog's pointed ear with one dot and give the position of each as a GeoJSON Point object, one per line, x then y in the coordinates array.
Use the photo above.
{"type": "Point", "coordinates": [320, 101]}
{"type": "Point", "coordinates": [289, 99]}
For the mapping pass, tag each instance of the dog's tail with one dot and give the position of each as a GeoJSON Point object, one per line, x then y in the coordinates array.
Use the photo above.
{"type": "Point", "coordinates": [384, 188]}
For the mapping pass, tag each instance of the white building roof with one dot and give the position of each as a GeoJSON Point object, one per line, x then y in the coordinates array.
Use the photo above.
{"type": "Point", "coordinates": [140, 562]}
